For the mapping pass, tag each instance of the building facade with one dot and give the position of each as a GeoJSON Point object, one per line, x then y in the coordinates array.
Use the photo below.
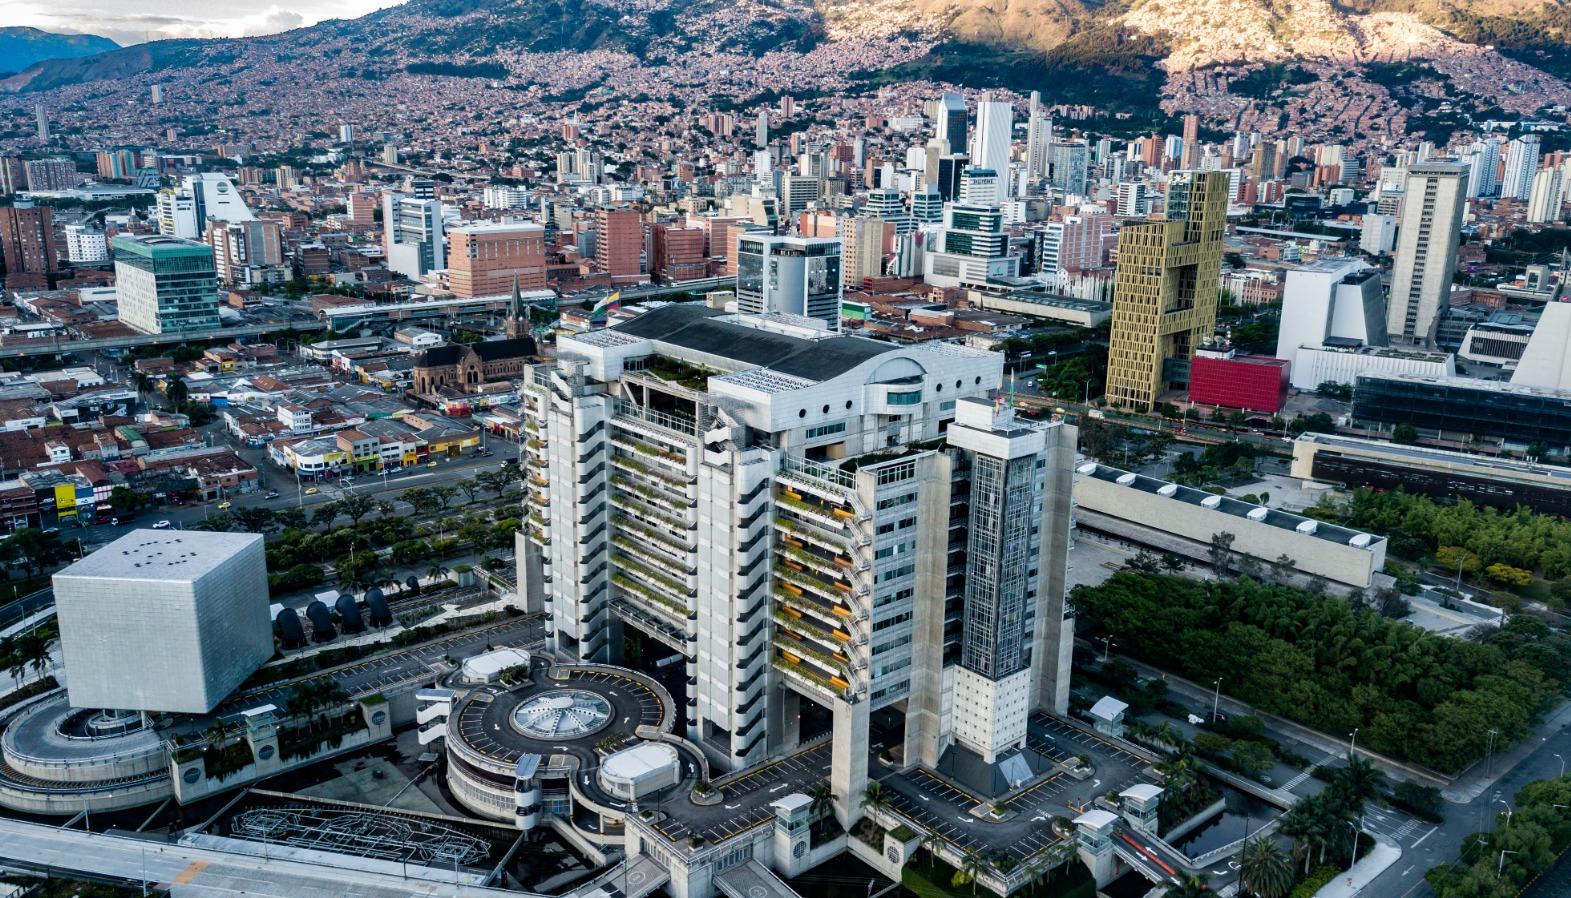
{"type": "Point", "coordinates": [805, 518]}
{"type": "Point", "coordinates": [28, 240]}
{"type": "Point", "coordinates": [486, 260]}
{"type": "Point", "coordinates": [164, 284]}
{"type": "Point", "coordinates": [1165, 289]}
{"type": "Point", "coordinates": [789, 276]}
{"type": "Point", "coordinates": [1431, 226]}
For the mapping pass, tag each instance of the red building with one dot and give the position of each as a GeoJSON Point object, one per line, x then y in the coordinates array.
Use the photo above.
{"type": "Point", "coordinates": [619, 243]}
{"type": "Point", "coordinates": [678, 254]}
{"type": "Point", "coordinates": [484, 259]}
{"type": "Point", "coordinates": [1251, 382]}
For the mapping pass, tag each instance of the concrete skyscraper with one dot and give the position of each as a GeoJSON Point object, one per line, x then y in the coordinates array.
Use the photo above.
{"type": "Point", "coordinates": [1429, 230]}
{"type": "Point", "coordinates": [761, 129]}
{"type": "Point", "coordinates": [1039, 140]}
{"type": "Point", "coordinates": [1543, 206]}
{"type": "Point", "coordinates": [184, 211]}
{"type": "Point", "coordinates": [1165, 289]}
{"type": "Point", "coordinates": [990, 145]}
{"type": "Point", "coordinates": [27, 237]}
{"type": "Point", "coordinates": [1521, 167]}
{"type": "Point", "coordinates": [42, 117]}
{"type": "Point", "coordinates": [488, 259]}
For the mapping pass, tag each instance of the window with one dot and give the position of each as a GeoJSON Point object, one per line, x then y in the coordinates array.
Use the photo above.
{"type": "Point", "coordinates": [824, 430]}
{"type": "Point", "coordinates": [911, 397]}
{"type": "Point", "coordinates": [896, 501]}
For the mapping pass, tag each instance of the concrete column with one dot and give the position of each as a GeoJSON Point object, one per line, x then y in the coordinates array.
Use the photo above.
{"type": "Point", "coordinates": [1053, 642]}
{"type": "Point", "coordinates": [790, 720]}
{"type": "Point", "coordinates": [924, 736]}
{"type": "Point", "coordinates": [848, 765]}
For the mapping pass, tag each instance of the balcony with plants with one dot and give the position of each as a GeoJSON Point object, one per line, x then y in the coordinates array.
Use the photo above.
{"type": "Point", "coordinates": [667, 540]}
{"type": "Point", "coordinates": [651, 577]}
{"type": "Point", "coordinates": [628, 462]}
{"type": "Point", "coordinates": [644, 512]}
{"type": "Point", "coordinates": [804, 604]}
{"type": "Point", "coordinates": [647, 447]}
{"type": "Point", "coordinates": [814, 510]}
{"type": "Point", "coordinates": [791, 665]}
{"type": "Point", "coordinates": [651, 598]}
{"type": "Point", "coordinates": [642, 551]}
{"type": "Point", "coordinates": [659, 492]}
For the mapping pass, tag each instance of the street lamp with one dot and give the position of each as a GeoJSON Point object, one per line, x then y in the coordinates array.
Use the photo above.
{"type": "Point", "coordinates": [1107, 643]}
{"type": "Point", "coordinates": [1508, 812]}
{"type": "Point", "coordinates": [1562, 764]}
{"type": "Point", "coordinates": [1352, 744]}
{"type": "Point", "coordinates": [1216, 699]}
{"type": "Point", "coordinates": [1501, 867]}
{"type": "Point", "coordinates": [1357, 830]}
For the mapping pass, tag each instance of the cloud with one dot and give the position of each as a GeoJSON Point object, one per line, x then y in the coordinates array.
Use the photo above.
{"type": "Point", "coordinates": [179, 18]}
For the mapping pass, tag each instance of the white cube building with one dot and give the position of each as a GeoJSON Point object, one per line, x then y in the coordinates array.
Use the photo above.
{"type": "Point", "coordinates": [166, 620]}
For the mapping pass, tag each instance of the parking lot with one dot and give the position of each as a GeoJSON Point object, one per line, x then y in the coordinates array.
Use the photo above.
{"type": "Point", "coordinates": [934, 804]}
{"type": "Point", "coordinates": [746, 799]}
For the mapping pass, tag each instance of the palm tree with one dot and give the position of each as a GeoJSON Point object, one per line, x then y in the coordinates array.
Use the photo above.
{"type": "Point", "coordinates": [822, 798]}
{"type": "Point", "coordinates": [931, 842]}
{"type": "Point", "coordinates": [1191, 886]}
{"type": "Point", "coordinates": [436, 571]}
{"type": "Point", "coordinates": [972, 863]}
{"type": "Point", "coordinates": [875, 797]}
{"type": "Point", "coordinates": [1264, 869]}
{"type": "Point", "coordinates": [1360, 781]}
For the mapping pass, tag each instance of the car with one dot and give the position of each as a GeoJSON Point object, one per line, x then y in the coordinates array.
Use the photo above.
{"type": "Point", "coordinates": [430, 464]}
{"type": "Point", "coordinates": [162, 525]}
{"type": "Point", "coordinates": [310, 491]}
{"type": "Point", "coordinates": [271, 494]}
{"type": "Point", "coordinates": [51, 529]}
{"type": "Point", "coordinates": [114, 522]}
{"type": "Point", "coordinates": [225, 505]}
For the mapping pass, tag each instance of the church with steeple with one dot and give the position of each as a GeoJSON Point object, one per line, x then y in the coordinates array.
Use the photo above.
{"type": "Point", "coordinates": [459, 368]}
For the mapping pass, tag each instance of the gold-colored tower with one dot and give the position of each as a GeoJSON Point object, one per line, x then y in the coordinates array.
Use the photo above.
{"type": "Point", "coordinates": [1165, 288]}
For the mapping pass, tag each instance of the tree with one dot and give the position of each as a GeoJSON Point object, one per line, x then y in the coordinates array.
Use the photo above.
{"type": "Point", "coordinates": [443, 496]}
{"type": "Point", "coordinates": [355, 506]}
{"type": "Point", "coordinates": [472, 488]}
{"type": "Point", "coordinates": [972, 863]}
{"type": "Point", "coordinates": [325, 514]}
{"type": "Point", "coordinates": [821, 799]}
{"type": "Point", "coordinates": [253, 519]}
{"type": "Point", "coordinates": [290, 518]}
{"type": "Point", "coordinates": [1404, 433]}
{"type": "Point", "coordinates": [1264, 869]}
{"type": "Point", "coordinates": [1191, 886]}
{"type": "Point", "coordinates": [177, 391]}
{"type": "Point", "coordinates": [1221, 553]}
{"type": "Point", "coordinates": [875, 797]}
{"type": "Point", "coordinates": [931, 842]}
{"type": "Point", "coordinates": [436, 572]}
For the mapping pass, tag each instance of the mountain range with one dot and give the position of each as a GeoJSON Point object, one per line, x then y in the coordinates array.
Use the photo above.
{"type": "Point", "coordinates": [1349, 67]}
{"type": "Point", "coordinates": [21, 47]}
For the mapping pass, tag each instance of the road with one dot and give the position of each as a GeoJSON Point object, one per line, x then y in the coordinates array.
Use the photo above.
{"type": "Point", "coordinates": [191, 871]}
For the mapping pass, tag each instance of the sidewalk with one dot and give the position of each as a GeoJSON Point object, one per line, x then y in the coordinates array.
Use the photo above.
{"type": "Point", "coordinates": [1477, 779]}
{"type": "Point", "coordinates": [1351, 882]}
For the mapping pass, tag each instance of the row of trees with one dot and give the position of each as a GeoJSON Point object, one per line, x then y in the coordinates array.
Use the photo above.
{"type": "Point", "coordinates": [1317, 660]}
{"type": "Point", "coordinates": [1418, 527]}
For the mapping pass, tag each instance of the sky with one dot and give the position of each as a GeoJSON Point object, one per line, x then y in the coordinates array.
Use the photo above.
{"type": "Point", "coordinates": [135, 21]}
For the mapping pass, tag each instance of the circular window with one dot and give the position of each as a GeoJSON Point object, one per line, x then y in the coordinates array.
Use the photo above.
{"type": "Point", "coordinates": [848, 403]}
{"type": "Point", "coordinates": [802, 413]}
{"type": "Point", "coordinates": [979, 380]}
{"type": "Point", "coordinates": [938, 388]}
{"type": "Point", "coordinates": [826, 409]}
{"type": "Point", "coordinates": [957, 383]}
{"type": "Point", "coordinates": [191, 775]}
{"type": "Point", "coordinates": [265, 752]}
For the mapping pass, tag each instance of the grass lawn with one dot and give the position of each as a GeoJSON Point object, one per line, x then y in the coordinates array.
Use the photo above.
{"type": "Point", "coordinates": [931, 879]}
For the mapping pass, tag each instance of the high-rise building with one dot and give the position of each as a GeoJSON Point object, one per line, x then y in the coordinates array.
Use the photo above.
{"type": "Point", "coordinates": [246, 253]}
{"type": "Point", "coordinates": [116, 165]}
{"type": "Point", "coordinates": [1165, 289]}
{"type": "Point", "coordinates": [971, 248]}
{"type": "Point", "coordinates": [488, 259]}
{"type": "Point", "coordinates": [165, 284]}
{"type": "Point", "coordinates": [85, 245]}
{"type": "Point", "coordinates": [195, 602]}
{"type": "Point", "coordinates": [789, 276]}
{"type": "Point", "coordinates": [797, 192]}
{"type": "Point", "coordinates": [619, 243]}
{"type": "Point", "coordinates": [949, 120]}
{"type": "Point", "coordinates": [1133, 201]}
{"type": "Point", "coordinates": [51, 174]}
{"type": "Point", "coordinates": [799, 539]}
{"type": "Point", "coordinates": [414, 241]}
{"type": "Point", "coordinates": [1039, 140]}
{"type": "Point", "coordinates": [27, 236]}
{"type": "Point", "coordinates": [995, 121]}
{"type": "Point", "coordinates": [1426, 244]}
{"type": "Point", "coordinates": [1543, 205]}
{"type": "Point", "coordinates": [1069, 164]}
{"type": "Point", "coordinates": [677, 254]}
{"type": "Point", "coordinates": [864, 240]}
{"type": "Point", "coordinates": [184, 211]}
{"type": "Point", "coordinates": [13, 175]}
{"type": "Point", "coordinates": [1190, 158]}
{"type": "Point", "coordinates": [42, 118]}
{"type": "Point", "coordinates": [1483, 164]}
{"type": "Point", "coordinates": [1074, 243]}
{"type": "Point", "coordinates": [1521, 167]}
{"type": "Point", "coordinates": [761, 129]}
{"type": "Point", "coordinates": [980, 187]}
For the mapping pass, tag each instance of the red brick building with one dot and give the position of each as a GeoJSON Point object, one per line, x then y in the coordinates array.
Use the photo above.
{"type": "Point", "coordinates": [678, 254]}
{"type": "Point", "coordinates": [619, 243]}
{"type": "Point", "coordinates": [483, 260]}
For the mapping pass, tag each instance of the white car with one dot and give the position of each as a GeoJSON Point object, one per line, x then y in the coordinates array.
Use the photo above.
{"type": "Point", "coordinates": [162, 525]}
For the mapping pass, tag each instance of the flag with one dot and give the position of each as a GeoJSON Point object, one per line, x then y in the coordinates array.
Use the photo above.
{"type": "Point", "coordinates": [611, 301]}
